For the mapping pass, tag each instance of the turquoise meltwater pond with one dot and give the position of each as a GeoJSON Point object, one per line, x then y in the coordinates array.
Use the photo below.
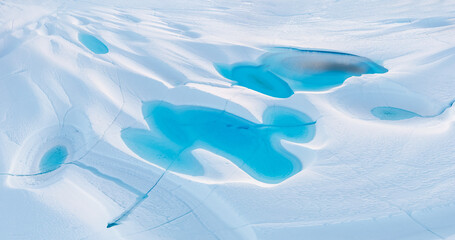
{"type": "Point", "coordinates": [283, 71]}
{"type": "Point", "coordinates": [53, 158]}
{"type": "Point", "coordinates": [93, 43]}
{"type": "Point", "coordinates": [254, 148]}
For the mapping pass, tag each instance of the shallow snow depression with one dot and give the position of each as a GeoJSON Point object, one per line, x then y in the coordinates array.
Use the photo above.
{"type": "Point", "coordinates": [227, 120]}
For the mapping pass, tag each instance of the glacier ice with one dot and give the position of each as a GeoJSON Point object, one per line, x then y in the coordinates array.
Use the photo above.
{"type": "Point", "coordinates": [99, 98]}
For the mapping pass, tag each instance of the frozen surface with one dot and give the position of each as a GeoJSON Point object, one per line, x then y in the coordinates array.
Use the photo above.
{"type": "Point", "coordinates": [255, 120]}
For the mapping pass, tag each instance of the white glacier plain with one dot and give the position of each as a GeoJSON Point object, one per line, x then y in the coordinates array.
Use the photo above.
{"type": "Point", "coordinates": [242, 120]}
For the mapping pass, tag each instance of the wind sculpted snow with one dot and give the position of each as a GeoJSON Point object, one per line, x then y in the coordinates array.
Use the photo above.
{"type": "Point", "coordinates": [197, 120]}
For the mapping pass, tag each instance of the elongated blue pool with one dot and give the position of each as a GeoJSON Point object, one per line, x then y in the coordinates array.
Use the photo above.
{"type": "Point", "coordinates": [53, 158]}
{"type": "Point", "coordinates": [93, 43]}
{"type": "Point", "coordinates": [254, 148]}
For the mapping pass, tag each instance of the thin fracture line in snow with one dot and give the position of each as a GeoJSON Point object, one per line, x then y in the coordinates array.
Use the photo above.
{"type": "Point", "coordinates": [141, 199]}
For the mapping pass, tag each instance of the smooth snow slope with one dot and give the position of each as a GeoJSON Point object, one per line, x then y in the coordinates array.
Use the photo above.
{"type": "Point", "coordinates": [362, 177]}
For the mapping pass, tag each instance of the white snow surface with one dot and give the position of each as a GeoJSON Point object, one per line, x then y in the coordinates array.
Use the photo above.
{"type": "Point", "coordinates": [363, 178]}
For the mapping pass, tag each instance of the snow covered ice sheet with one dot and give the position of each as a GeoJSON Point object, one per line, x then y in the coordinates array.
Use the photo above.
{"type": "Point", "coordinates": [246, 119]}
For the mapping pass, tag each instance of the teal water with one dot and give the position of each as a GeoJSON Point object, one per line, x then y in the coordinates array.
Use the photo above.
{"type": "Point", "coordinates": [256, 78]}
{"type": "Point", "coordinates": [255, 148]}
{"type": "Point", "coordinates": [53, 158]}
{"type": "Point", "coordinates": [283, 71]}
{"type": "Point", "coordinates": [93, 43]}
{"type": "Point", "coordinates": [392, 113]}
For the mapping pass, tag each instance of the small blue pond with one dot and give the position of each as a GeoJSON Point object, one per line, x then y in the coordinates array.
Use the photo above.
{"type": "Point", "coordinates": [255, 148]}
{"type": "Point", "coordinates": [257, 78]}
{"type": "Point", "coordinates": [392, 113]}
{"type": "Point", "coordinates": [53, 158]}
{"type": "Point", "coordinates": [93, 43]}
{"type": "Point", "coordinates": [284, 70]}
